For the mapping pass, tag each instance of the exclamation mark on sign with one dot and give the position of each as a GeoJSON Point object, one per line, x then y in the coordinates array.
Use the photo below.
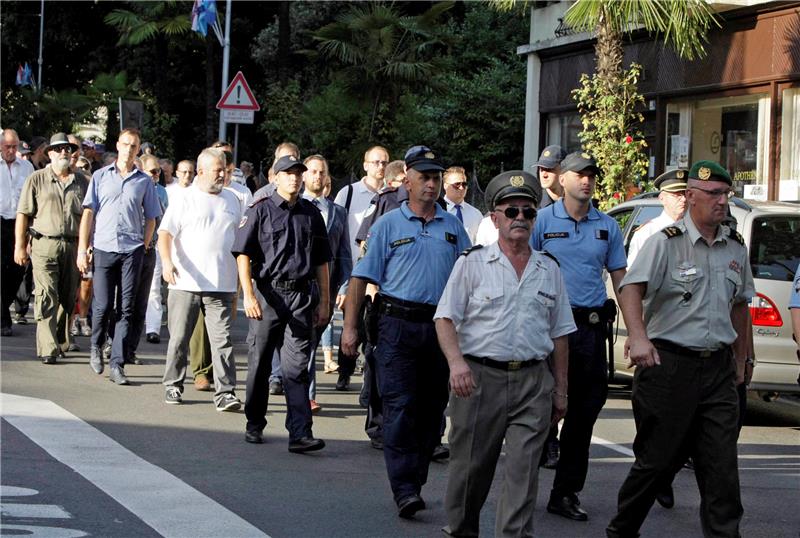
{"type": "Point", "coordinates": [238, 95]}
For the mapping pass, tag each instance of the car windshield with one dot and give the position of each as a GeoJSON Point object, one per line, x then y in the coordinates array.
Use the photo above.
{"type": "Point", "coordinates": [775, 247]}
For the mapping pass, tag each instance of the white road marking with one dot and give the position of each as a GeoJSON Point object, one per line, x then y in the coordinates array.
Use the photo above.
{"type": "Point", "coordinates": [14, 491]}
{"type": "Point", "coordinates": [613, 446]}
{"type": "Point", "coordinates": [158, 498]}
{"type": "Point", "coordinates": [36, 531]}
{"type": "Point", "coordinates": [44, 511]}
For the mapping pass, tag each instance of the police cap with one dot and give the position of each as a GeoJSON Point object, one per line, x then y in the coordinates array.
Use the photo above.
{"type": "Point", "coordinates": [423, 159]}
{"type": "Point", "coordinates": [514, 183]}
{"type": "Point", "coordinates": [551, 157]}
{"type": "Point", "coordinates": [672, 181]}
{"type": "Point", "coordinates": [288, 162]}
{"type": "Point", "coordinates": [709, 171]}
{"type": "Point", "coordinates": [578, 161]}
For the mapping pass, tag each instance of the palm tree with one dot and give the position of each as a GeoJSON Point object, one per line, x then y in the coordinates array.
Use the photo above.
{"type": "Point", "coordinates": [146, 20]}
{"type": "Point", "coordinates": [382, 51]}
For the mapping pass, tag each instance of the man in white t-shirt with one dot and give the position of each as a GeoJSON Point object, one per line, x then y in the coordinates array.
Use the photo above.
{"type": "Point", "coordinates": [455, 191]}
{"type": "Point", "coordinates": [356, 197]}
{"type": "Point", "coordinates": [195, 240]}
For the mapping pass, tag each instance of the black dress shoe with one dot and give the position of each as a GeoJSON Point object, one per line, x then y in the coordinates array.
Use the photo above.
{"type": "Point", "coordinates": [377, 444]}
{"type": "Point", "coordinates": [253, 437]}
{"type": "Point", "coordinates": [440, 453]}
{"type": "Point", "coordinates": [48, 360]}
{"type": "Point", "coordinates": [153, 338]}
{"type": "Point", "coordinates": [117, 375]}
{"type": "Point", "coordinates": [343, 383]}
{"type": "Point", "coordinates": [407, 507]}
{"type": "Point", "coordinates": [666, 497]}
{"type": "Point", "coordinates": [567, 506]}
{"type": "Point", "coordinates": [306, 444]}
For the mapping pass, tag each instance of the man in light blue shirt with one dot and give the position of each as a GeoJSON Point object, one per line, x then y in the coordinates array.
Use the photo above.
{"type": "Point", "coordinates": [585, 242]}
{"type": "Point", "coordinates": [408, 254]}
{"type": "Point", "coordinates": [117, 198]}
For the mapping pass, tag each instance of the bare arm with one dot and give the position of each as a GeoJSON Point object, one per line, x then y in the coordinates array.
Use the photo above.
{"type": "Point", "coordinates": [740, 318]}
{"type": "Point", "coordinates": [249, 300]}
{"type": "Point", "coordinates": [165, 251]}
{"type": "Point", "coordinates": [323, 314]}
{"type": "Point", "coordinates": [352, 306]}
{"type": "Point", "coordinates": [21, 243]}
{"type": "Point", "coordinates": [87, 221]}
{"type": "Point", "coordinates": [149, 228]}
{"type": "Point", "coordinates": [559, 361]}
{"type": "Point", "coordinates": [462, 383]}
{"type": "Point", "coordinates": [638, 349]}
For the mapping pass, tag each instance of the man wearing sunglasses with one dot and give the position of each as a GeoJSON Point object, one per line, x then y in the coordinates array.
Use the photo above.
{"type": "Point", "coordinates": [49, 211]}
{"type": "Point", "coordinates": [685, 306]}
{"type": "Point", "coordinates": [455, 192]}
{"type": "Point", "coordinates": [508, 386]}
{"type": "Point", "coordinates": [586, 242]}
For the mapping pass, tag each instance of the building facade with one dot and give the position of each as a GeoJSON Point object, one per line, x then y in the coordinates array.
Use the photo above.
{"type": "Point", "coordinates": [738, 106]}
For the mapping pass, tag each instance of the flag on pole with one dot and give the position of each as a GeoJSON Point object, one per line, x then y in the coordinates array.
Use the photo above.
{"type": "Point", "coordinates": [24, 75]}
{"type": "Point", "coordinates": [204, 14]}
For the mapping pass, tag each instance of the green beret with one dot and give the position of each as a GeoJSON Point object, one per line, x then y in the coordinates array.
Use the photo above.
{"type": "Point", "coordinates": [709, 171]}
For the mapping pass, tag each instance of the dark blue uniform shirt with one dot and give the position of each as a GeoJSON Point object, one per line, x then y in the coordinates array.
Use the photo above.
{"type": "Point", "coordinates": [283, 243]}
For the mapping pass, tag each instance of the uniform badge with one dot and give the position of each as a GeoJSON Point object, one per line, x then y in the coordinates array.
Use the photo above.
{"type": "Point", "coordinates": [679, 174]}
{"type": "Point", "coordinates": [594, 318]}
{"type": "Point", "coordinates": [243, 222]}
{"type": "Point", "coordinates": [734, 266]}
{"type": "Point", "coordinates": [585, 155]}
{"type": "Point", "coordinates": [516, 181]}
{"type": "Point", "coordinates": [546, 153]}
{"type": "Point", "coordinates": [704, 173]}
{"type": "Point", "coordinates": [430, 155]}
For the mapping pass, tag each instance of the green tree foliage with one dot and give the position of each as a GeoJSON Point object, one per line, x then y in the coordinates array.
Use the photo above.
{"type": "Point", "coordinates": [146, 20]}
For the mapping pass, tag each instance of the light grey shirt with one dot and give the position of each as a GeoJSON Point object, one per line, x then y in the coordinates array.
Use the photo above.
{"type": "Point", "coordinates": [691, 285]}
{"type": "Point", "coordinates": [501, 317]}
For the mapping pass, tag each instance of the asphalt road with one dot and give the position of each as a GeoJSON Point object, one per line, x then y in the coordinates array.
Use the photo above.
{"type": "Point", "coordinates": [83, 457]}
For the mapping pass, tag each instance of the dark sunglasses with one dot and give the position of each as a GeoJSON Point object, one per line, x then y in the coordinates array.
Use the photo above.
{"type": "Point", "coordinates": [528, 213]}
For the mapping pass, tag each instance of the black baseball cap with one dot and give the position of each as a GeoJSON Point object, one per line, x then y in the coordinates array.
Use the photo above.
{"type": "Point", "coordinates": [288, 162]}
{"type": "Point", "coordinates": [578, 161]}
{"type": "Point", "coordinates": [423, 159]}
{"type": "Point", "coordinates": [551, 157]}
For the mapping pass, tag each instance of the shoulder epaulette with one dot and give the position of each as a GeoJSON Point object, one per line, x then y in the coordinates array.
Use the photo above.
{"type": "Point", "coordinates": [736, 236]}
{"type": "Point", "coordinates": [672, 231]}
{"type": "Point", "coordinates": [551, 257]}
{"type": "Point", "coordinates": [470, 249]}
{"type": "Point", "coordinates": [257, 201]}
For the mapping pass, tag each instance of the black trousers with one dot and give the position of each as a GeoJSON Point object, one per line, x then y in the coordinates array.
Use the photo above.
{"type": "Point", "coordinates": [10, 273]}
{"type": "Point", "coordinates": [588, 389]}
{"type": "Point", "coordinates": [686, 404]}
{"type": "Point", "coordinates": [286, 325]}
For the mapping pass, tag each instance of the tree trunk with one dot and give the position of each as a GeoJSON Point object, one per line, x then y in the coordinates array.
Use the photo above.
{"type": "Point", "coordinates": [608, 52]}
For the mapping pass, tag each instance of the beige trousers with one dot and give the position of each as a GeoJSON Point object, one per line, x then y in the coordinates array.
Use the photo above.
{"type": "Point", "coordinates": [55, 281]}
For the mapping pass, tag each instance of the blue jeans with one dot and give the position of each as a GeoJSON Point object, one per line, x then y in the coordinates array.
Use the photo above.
{"type": "Point", "coordinates": [112, 269]}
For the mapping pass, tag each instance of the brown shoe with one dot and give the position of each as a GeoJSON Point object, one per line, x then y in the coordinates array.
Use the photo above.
{"type": "Point", "coordinates": [201, 383]}
{"type": "Point", "coordinates": [315, 407]}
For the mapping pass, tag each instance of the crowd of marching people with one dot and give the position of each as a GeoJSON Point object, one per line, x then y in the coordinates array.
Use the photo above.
{"type": "Point", "coordinates": [498, 317]}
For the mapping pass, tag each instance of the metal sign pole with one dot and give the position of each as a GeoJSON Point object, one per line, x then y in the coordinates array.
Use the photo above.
{"type": "Point", "coordinates": [236, 145]}
{"type": "Point", "coordinates": [226, 52]}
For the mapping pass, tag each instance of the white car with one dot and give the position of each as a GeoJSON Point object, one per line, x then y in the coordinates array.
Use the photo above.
{"type": "Point", "coordinates": [771, 231]}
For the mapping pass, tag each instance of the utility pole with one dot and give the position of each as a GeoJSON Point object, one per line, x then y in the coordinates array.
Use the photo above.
{"type": "Point", "coordinates": [226, 52]}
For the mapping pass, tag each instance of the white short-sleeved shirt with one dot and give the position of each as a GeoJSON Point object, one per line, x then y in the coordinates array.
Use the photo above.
{"type": "Point", "coordinates": [202, 226]}
{"type": "Point", "coordinates": [487, 233]}
{"type": "Point", "coordinates": [359, 205]}
{"type": "Point", "coordinates": [501, 317]}
{"type": "Point", "coordinates": [471, 215]}
{"type": "Point", "coordinates": [645, 231]}
{"type": "Point", "coordinates": [242, 193]}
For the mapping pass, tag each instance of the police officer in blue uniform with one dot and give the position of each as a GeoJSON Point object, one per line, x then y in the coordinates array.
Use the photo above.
{"type": "Point", "coordinates": [585, 241]}
{"type": "Point", "coordinates": [409, 254]}
{"type": "Point", "coordinates": [282, 242]}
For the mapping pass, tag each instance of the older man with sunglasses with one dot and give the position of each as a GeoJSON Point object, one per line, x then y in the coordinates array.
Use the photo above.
{"type": "Point", "coordinates": [503, 387]}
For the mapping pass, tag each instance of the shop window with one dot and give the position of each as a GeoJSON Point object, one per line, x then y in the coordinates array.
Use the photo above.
{"type": "Point", "coordinates": [789, 183]}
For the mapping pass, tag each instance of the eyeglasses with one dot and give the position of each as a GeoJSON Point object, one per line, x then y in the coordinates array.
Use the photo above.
{"type": "Point", "coordinates": [62, 149]}
{"type": "Point", "coordinates": [458, 185]}
{"type": "Point", "coordinates": [378, 163]}
{"type": "Point", "coordinates": [716, 193]}
{"type": "Point", "coordinates": [528, 213]}
{"type": "Point", "coordinates": [184, 171]}
{"type": "Point", "coordinates": [154, 171]}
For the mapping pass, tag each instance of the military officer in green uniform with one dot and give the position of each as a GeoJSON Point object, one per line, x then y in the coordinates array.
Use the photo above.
{"type": "Point", "coordinates": [49, 211]}
{"type": "Point", "coordinates": [684, 300]}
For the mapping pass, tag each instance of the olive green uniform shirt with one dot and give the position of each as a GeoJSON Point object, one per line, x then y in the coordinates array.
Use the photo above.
{"type": "Point", "coordinates": [691, 285]}
{"type": "Point", "coordinates": [54, 207]}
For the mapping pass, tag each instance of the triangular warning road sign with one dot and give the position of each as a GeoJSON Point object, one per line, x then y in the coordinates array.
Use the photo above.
{"type": "Point", "coordinates": [238, 95]}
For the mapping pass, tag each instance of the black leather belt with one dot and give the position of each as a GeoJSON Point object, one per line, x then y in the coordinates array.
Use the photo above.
{"type": "Point", "coordinates": [503, 365]}
{"type": "Point", "coordinates": [406, 310]}
{"type": "Point", "coordinates": [65, 238]}
{"type": "Point", "coordinates": [290, 285]}
{"type": "Point", "coordinates": [666, 345]}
